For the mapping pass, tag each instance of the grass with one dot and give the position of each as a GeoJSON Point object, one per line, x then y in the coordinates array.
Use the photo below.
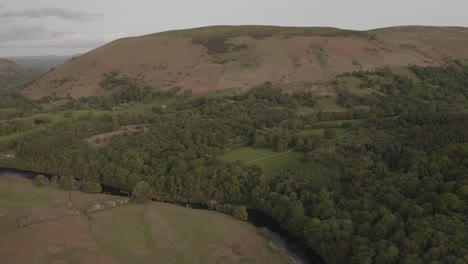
{"type": "Point", "coordinates": [329, 105]}
{"type": "Point", "coordinates": [348, 82]}
{"type": "Point", "coordinates": [274, 163]}
{"type": "Point", "coordinates": [26, 194]}
{"type": "Point", "coordinates": [7, 224]}
{"type": "Point", "coordinates": [149, 233]}
{"type": "Point", "coordinates": [405, 72]}
{"type": "Point", "coordinates": [280, 162]}
{"type": "Point", "coordinates": [168, 234]}
{"type": "Point", "coordinates": [305, 110]}
{"type": "Point", "coordinates": [352, 83]}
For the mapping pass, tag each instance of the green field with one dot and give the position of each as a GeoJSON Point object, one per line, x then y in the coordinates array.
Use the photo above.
{"type": "Point", "coordinates": [269, 159]}
{"type": "Point", "coordinates": [352, 83]}
{"type": "Point", "coordinates": [134, 233]}
{"type": "Point", "coordinates": [330, 105]}
{"type": "Point", "coordinates": [305, 110]}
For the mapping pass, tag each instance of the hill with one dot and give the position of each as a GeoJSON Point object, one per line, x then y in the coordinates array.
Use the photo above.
{"type": "Point", "coordinates": [11, 73]}
{"type": "Point", "coordinates": [41, 63]}
{"type": "Point", "coordinates": [224, 57]}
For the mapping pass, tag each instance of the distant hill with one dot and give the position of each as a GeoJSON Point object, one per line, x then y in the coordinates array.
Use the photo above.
{"type": "Point", "coordinates": [223, 57]}
{"type": "Point", "coordinates": [41, 63]}
{"type": "Point", "coordinates": [12, 73]}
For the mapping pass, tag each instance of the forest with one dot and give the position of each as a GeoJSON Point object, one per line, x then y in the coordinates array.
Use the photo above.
{"type": "Point", "coordinates": [393, 190]}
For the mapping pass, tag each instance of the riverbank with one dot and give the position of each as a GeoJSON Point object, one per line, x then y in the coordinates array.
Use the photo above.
{"type": "Point", "coordinates": [282, 240]}
{"type": "Point", "coordinates": [150, 233]}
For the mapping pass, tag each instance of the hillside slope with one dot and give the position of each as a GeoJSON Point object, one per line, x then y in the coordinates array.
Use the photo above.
{"type": "Point", "coordinates": [223, 57]}
{"type": "Point", "coordinates": [11, 72]}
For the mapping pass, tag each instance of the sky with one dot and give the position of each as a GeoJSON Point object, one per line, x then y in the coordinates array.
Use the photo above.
{"type": "Point", "coordinates": [65, 27]}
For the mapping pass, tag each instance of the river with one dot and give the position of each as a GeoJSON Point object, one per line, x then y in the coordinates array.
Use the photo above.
{"type": "Point", "coordinates": [294, 247]}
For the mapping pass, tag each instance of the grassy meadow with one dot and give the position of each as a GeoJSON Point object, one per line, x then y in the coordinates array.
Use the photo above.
{"type": "Point", "coordinates": [271, 160]}
{"type": "Point", "coordinates": [149, 233]}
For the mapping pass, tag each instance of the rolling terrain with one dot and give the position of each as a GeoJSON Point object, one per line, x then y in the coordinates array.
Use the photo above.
{"type": "Point", "coordinates": [241, 57]}
{"type": "Point", "coordinates": [41, 63]}
{"type": "Point", "coordinates": [361, 166]}
{"type": "Point", "coordinates": [12, 73]}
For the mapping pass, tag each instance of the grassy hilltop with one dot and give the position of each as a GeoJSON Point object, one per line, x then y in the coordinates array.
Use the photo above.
{"type": "Point", "coordinates": [241, 57]}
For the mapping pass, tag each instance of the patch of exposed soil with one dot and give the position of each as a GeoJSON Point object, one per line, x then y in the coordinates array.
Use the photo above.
{"type": "Point", "coordinates": [104, 139]}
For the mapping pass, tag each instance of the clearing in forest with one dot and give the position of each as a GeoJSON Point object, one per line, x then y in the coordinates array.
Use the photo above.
{"type": "Point", "coordinates": [104, 139]}
{"type": "Point", "coordinates": [271, 160]}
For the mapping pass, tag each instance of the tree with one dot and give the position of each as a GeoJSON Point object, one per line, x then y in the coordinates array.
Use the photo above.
{"type": "Point", "coordinates": [447, 202]}
{"type": "Point", "coordinates": [282, 145]}
{"type": "Point", "coordinates": [142, 192]}
{"type": "Point", "coordinates": [329, 133]}
{"type": "Point", "coordinates": [240, 212]}
{"type": "Point", "coordinates": [212, 204]}
{"type": "Point", "coordinates": [41, 180]}
{"type": "Point", "coordinates": [66, 183]}
{"type": "Point", "coordinates": [55, 180]}
{"type": "Point", "coordinates": [90, 187]}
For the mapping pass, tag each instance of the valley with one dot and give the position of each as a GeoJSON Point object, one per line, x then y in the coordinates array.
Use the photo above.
{"type": "Point", "coordinates": [353, 142]}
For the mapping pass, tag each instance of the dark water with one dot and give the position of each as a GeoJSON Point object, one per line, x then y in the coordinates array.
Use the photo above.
{"type": "Point", "coordinates": [292, 246]}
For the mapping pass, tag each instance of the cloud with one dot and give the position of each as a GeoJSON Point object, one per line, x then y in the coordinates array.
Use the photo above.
{"type": "Point", "coordinates": [18, 32]}
{"type": "Point", "coordinates": [76, 15]}
{"type": "Point", "coordinates": [80, 40]}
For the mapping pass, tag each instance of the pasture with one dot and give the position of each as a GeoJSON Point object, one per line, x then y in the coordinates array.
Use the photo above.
{"type": "Point", "coordinates": [149, 233]}
{"type": "Point", "coordinates": [269, 159]}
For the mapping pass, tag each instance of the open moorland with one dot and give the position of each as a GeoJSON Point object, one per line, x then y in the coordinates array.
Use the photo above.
{"type": "Point", "coordinates": [241, 57]}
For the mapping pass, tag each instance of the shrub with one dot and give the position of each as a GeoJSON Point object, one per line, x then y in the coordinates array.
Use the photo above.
{"type": "Point", "coordinates": [41, 180]}
{"type": "Point", "coordinates": [224, 208]}
{"type": "Point", "coordinates": [55, 180]}
{"type": "Point", "coordinates": [142, 192]}
{"type": "Point", "coordinates": [329, 133]}
{"type": "Point", "coordinates": [110, 204]}
{"type": "Point", "coordinates": [264, 232]}
{"type": "Point", "coordinates": [123, 202]}
{"type": "Point", "coordinates": [212, 204]}
{"type": "Point", "coordinates": [240, 212]}
{"type": "Point", "coordinates": [90, 187]}
{"type": "Point", "coordinates": [95, 208]}
{"type": "Point", "coordinates": [66, 183]}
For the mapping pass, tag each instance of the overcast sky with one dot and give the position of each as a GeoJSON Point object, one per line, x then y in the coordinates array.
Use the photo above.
{"type": "Point", "coordinates": [64, 27]}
